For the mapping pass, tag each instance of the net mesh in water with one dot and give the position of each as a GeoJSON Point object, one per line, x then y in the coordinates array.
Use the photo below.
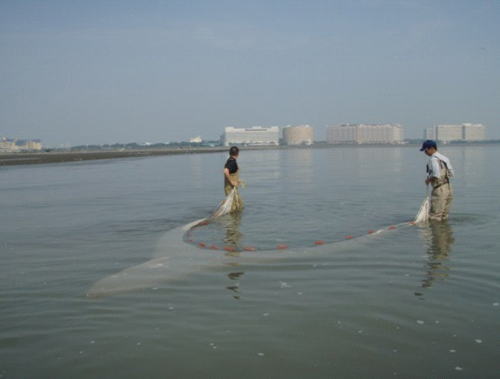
{"type": "Point", "coordinates": [226, 205]}
{"type": "Point", "coordinates": [423, 212]}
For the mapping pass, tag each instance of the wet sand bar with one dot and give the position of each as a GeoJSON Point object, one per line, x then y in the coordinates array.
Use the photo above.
{"type": "Point", "coordinates": [7, 159]}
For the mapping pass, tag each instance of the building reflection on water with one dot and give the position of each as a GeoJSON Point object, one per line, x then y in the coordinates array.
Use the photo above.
{"type": "Point", "coordinates": [439, 239]}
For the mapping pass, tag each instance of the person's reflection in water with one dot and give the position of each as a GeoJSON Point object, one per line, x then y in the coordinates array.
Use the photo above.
{"type": "Point", "coordinates": [232, 240]}
{"type": "Point", "coordinates": [236, 286]}
{"type": "Point", "coordinates": [439, 238]}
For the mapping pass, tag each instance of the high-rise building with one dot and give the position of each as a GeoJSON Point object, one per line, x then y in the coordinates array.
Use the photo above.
{"type": "Point", "coordinates": [298, 135]}
{"type": "Point", "coordinates": [33, 145]}
{"type": "Point", "coordinates": [459, 132]}
{"type": "Point", "coordinates": [345, 133]}
{"type": "Point", "coordinates": [7, 145]}
{"type": "Point", "coordinates": [364, 133]}
{"type": "Point", "coordinates": [447, 133]}
{"type": "Point", "coordinates": [430, 133]}
{"type": "Point", "coordinates": [254, 136]}
{"type": "Point", "coordinates": [474, 132]}
{"type": "Point", "coordinates": [15, 145]}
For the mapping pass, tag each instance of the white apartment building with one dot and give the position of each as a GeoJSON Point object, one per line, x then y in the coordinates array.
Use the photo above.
{"type": "Point", "coordinates": [474, 132]}
{"type": "Point", "coordinates": [364, 133]}
{"type": "Point", "coordinates": [430, 133]}
{"type": "Point", "coordinates": [466, 132]}
{"type": "Point", "coordinates": [14, 145]}
{"type": "Point", "coordinates": [298, 135]}
{"type": "Point", "coordinates": [341, 134]}
{"type": "Point", "coordinates": [447, 133]}
{"type": "Point", "coordinates": [254, 136]}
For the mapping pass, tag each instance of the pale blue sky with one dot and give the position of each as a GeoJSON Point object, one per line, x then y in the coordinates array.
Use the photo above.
{"type": "Point", "coordinates": [78, 72]}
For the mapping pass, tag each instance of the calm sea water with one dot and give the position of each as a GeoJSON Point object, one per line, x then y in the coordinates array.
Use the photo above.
{"type": "Point", "coordinates": [420, 302]}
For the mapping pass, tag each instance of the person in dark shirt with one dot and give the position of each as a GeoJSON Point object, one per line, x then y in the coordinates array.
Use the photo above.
{"type": "Point", "coordinates": [232, 177]}
{"type": "Point", "coordinates": [231, 174]}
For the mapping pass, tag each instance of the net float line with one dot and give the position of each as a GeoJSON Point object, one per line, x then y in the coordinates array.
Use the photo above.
{"type": "Point", "coordinates": [203, 245]}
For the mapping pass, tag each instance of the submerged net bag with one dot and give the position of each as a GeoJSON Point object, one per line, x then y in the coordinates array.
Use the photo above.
{"type": "Point", "coordinates": [226, 205]}
{"type": "Point", "coordinates": [423, 212]}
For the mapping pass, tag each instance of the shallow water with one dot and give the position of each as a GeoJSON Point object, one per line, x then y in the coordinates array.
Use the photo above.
{"type": "Point", "coordinates": [416, 302]}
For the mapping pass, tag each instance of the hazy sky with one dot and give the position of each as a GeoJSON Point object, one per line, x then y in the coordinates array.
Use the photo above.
{"type": "Point", "coordinates": [78, 72]}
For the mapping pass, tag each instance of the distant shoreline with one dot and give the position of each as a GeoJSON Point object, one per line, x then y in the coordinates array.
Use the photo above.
{"type": "Point", "coordinates": [26, 158]}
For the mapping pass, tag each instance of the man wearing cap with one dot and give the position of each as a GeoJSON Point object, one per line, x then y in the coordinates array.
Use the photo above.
{"type": "Point", "coordinates": [439, 172]}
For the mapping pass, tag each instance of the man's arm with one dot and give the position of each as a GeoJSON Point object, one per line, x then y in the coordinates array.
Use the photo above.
{"type": "Point", "coordinates": [228, 177]}
{"type": "Point", "coordinates": [430, 179]}
{"type": "Point", "coordinates": [435, 171]}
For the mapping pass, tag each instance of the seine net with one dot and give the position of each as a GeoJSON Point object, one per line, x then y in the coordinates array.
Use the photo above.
{"type": "Point", "coordinates": [423, 212]}
{"type": "Point", "coordinates": [226, 205]}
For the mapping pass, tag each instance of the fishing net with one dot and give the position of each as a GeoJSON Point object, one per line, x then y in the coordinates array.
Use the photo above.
{"type": "Point", "coordinates": [225, 205]}
{"type": "Point", "coordinates": [231, 203]}
{"type": "Point", "coordinates": [423, 212]}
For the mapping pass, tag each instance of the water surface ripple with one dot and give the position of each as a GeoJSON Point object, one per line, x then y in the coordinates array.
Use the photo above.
{"type": "Point", "coordinates": [416, 302]}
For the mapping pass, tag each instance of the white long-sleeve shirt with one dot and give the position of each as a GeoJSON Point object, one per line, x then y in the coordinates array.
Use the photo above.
{"type": "Point", "coordinates": [434, 168]}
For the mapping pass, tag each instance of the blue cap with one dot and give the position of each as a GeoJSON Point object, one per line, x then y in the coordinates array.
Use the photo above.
{"type": "Point", "coordinates": [428, 144]}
